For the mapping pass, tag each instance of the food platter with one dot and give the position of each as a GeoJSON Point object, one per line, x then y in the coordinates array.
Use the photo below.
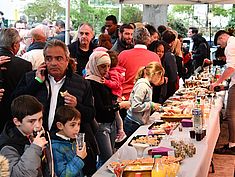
{"type": "Point", "coordinates": [151, 140]}
{"type": "Point", "coordinates": [143, 165]}
{"type": "Point", "coordinates": [175, 117]}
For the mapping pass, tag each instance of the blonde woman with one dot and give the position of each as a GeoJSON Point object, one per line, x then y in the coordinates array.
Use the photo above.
{"type": "Point", "coordinates": [177, 50]}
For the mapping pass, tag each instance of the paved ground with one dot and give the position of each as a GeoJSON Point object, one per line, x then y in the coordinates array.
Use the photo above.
{"type": "Point", "coordinates": [224, 164]}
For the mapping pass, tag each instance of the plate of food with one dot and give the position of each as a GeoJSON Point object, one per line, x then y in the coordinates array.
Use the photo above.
{"type": "Point", "coordinates": [173, 115]}
{"type": "Point", "coordinates": [150, 140]}
{"type": "Point", "coordinates": [158, 127]}
{"type": "Point", "coordinates": [133, 165]}
{"type": "Point", "coordinates": [143, 164]}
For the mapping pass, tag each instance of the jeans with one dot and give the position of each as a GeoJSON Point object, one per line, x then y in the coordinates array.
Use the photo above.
{"type": "Point", "coordinates": [105, 136]}
{"type": "Point", "coordinates": [230, 113]}
{"type": "Point", "coordinates": [130, 126]}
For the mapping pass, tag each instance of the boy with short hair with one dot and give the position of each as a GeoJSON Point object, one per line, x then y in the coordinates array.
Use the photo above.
{"type": "Point", "coordinates": [68, 159]}
{"type": "Point", "coordinates": [15, 140]}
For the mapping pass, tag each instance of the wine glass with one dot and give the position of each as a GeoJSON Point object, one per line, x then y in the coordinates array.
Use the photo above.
{"type": "Point", "coordinates": [118, 169]}
{"type": "Point", "coordinates": [168, 130]}
{"type": "Point", "coordinates": [119, 154]}
{"type": "Point", "coordinates": [139, 147]}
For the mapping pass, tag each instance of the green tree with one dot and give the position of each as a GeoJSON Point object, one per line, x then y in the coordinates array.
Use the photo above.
{"type": "Point", "coordinates": [39, 10]}
{"type": "Point", "coordinates": [231, 23]}
{"type": "Point", "coordinates": [131, 14]}
{"type": "Point", "coordinates": [184, 9]}
{"type": "Point", "coordinates": [93, 15]}
{"type": "Point", "coordinates": [218, 10]}
{"type": "Point", "coordinates": [187, 9]}
{"type": "Point", "coordinates": [178, 25]}
{"type": "Point", "coordinates": [96, 15]}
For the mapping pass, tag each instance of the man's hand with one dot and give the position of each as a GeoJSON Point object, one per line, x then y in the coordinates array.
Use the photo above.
{"type": "Point", "coordinates": [70, 100]}
{"type": "Point", "coordinates": [40, 73]}
{"type": "Point", "coordinates": [1, 93]}
{"type": "Point", "coordinates": [40, 141]}
{"type": "Point", "coordinates": [4, 59]}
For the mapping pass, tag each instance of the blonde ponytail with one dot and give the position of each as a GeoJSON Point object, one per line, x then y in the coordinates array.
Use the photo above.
{"type": "Point", "coordinates": [149, 70]}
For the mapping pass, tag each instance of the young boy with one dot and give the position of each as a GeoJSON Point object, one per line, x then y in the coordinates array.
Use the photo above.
{"type": "Point", "coordinates": [22, 151]}
{"type": "Point", "coordinates": [68, 159]}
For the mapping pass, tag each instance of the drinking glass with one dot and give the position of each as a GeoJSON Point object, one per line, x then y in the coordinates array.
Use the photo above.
{"type": "Point", "coordinates": [168, 130]}
{"type": "Point", "coordinates": [80, 140]}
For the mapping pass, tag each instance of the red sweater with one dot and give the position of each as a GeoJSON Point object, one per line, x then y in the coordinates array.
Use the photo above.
{"type": "Point", "coordinates": [132, 60]}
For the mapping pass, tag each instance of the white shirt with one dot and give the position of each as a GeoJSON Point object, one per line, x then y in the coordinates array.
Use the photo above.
{"type": "Point", "coordinates": [140, 46]}
{"type": "Point", "coordinates": [230, 56]}
{"type": "Point", "coordinates": [55, 87]}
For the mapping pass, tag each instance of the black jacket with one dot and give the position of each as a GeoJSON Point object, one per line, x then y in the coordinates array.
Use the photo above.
{"type": "Point", "coordinates": [170, 71]}
{"type": "Point", "coordinates": [81, 56]}
{"type": "Point", "coordinates": [11, 136]}
{"type": "Point", "coordinates": [15, 69]}
{"type": "Point", "coordinates": [119, 46]}
{"type": "Point", "coordinates": [104, 105]}
{"type": "Point", "coordinates": [36, 45]}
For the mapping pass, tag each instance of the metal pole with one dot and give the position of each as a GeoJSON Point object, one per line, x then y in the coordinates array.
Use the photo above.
{"type": "Point", "coordinates": [67, 23]}
{"type": "Point", "coordinates": [120, 13]}
{"type": "Point", "coordinates": [210, 32]}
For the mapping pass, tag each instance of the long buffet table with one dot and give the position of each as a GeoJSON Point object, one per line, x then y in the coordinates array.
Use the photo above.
{"type": "Point", "coordinates": [196, 166]}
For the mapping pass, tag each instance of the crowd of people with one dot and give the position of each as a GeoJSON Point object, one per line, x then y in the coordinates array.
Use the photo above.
{"type": "Point", "coordinates": [105, 88]}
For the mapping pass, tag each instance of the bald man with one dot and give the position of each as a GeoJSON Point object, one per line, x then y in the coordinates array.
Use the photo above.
{"type": "Point", "coordinates": [34, 53]}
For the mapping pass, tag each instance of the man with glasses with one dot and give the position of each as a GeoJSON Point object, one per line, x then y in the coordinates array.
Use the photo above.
{"type": "Point", "coordinates": [226, 41]}
{"type": "Point", "coordinates": [12, 71]}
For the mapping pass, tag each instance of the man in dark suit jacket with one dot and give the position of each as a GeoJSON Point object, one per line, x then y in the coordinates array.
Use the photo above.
{"type": "Point", "coordinates": [14, 70]}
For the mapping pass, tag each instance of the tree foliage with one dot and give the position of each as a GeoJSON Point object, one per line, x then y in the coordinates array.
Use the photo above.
{"type": "Point", "coordinates": [43, 9]}
{"type": "Point", "coordinates": [131, 14]}
{"type": "Point", "coordinates": [220, 11]}
{"type": "Point", "coordinates": [80, 11]}
{"type": "Point", "coordinates": [178, 25]}
{"type": "Point", "coordinates": [187, 9]}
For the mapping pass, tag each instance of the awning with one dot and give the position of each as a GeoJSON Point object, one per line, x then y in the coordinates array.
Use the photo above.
{"type": "Point", "coordinates": [177, 1]}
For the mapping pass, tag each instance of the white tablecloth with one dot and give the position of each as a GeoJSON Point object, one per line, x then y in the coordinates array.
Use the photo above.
{"type": "Point", "coordinates": [197, 166]}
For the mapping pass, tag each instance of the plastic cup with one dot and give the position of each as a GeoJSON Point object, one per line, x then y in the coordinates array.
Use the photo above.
{"type": "Point", "coordinates": [192, 134]}
{"type": "Point", "coordinates": [80, 140]}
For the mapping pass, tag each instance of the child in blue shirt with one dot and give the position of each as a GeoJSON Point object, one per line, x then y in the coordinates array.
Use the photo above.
{"type": "Point", "coordinates": [68, 159]}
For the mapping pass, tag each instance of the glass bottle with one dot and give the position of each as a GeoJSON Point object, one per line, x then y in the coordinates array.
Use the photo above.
{"type": "Point", "coordinates": [158, 169]}
{"type": "Point", "coordinates": [197, 120]}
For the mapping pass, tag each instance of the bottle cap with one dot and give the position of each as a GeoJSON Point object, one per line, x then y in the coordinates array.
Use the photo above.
{"type": "Point", "coordinates": [157, 156]}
